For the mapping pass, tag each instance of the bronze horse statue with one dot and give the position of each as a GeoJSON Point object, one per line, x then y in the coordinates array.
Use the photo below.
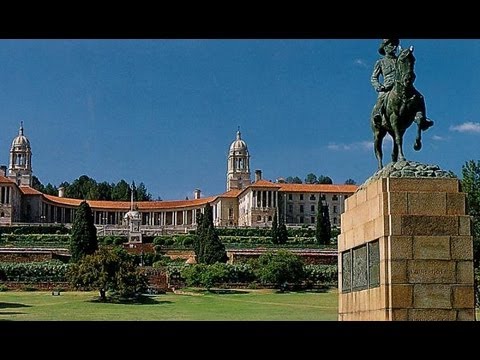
{"type": "Point", "coordinates": [402, 106]}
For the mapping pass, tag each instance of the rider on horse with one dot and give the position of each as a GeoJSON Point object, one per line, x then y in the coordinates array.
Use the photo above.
{"type": "Point", "coordinates": [386, 67]}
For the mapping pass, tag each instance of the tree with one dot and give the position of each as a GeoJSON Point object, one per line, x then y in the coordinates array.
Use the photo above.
{"type": "Point", "coordinates": [206, 275]}
{"type": "Point", "coordinates": [274, 232]}
{"type": "Point", "coordinates": [311, 179]}
{"type": "Point", "coordinates": [104, 191]}
{"type": "Point", "coordinates": [49, 189]}
{"type": "Point", "coordinates": [121, 191]}
{"type": "Point", "coordinates": [83, 238]}
{"type": "Point", "coordinates": [323, 230]}
{"type": "Point", "coordinates": [207, 245]}
{"type": "Point", "coordinates": [37, 184]}
{"type": "Point", "coordinates": [350, 182]}
{"type": "Point", "coordinates": [279, 268]}
{"type": "Point", "coordinates": [108, 270]}
{"type": "Point", "coordinates": [82, 188]}
{"type": "Point", "coordinates": [293, 180]}
{"type": "Point", "coordinates": [327, 232]}
{"type": "Point", "coordinates": [282, 233]}
{"type": "Point", "coordinates": [324, 180]}
{"type": "Point", "coordinates": [141, 193]}
{"type": "Point", "coordinates": [297, 180]}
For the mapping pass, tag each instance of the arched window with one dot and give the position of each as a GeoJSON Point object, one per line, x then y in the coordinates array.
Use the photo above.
{"type": "Point", "coordinates": [2, 214]}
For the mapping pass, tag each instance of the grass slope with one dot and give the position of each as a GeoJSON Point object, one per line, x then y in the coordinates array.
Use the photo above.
{"type": "Point", "coordinates": [234, 306]}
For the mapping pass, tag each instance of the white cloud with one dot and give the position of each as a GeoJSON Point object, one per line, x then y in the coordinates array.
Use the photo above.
{"type": "Point", "coordinates": [360, 62]}
{"type": "Point", "coordinates": [468, 127]}
{"type": "Point", "coordinates": [333, 147]}
{"type": "Point", "coordinates": [361, 145]}
{"type": "Point", "coordinates": [366, 145]}
{"type": "Point", "coordinates": [438, 138]}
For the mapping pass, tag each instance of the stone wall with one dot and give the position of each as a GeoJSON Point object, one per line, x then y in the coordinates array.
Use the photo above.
{"type": "Point", "coordinates": [425, 251]}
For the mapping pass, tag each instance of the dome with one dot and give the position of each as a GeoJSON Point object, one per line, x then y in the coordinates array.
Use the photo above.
{"type": "Point", "coordinates": [238, 145]}
{"type": "Point", "coordinates": [21, 140]}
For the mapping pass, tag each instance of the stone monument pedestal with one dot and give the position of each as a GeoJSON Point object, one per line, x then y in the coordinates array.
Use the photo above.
{"type": "Point", "coordinates": [406, 252]}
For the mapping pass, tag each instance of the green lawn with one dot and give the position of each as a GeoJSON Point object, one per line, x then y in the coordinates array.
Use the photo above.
{"type": "Point", "coordinates": [243, 305]}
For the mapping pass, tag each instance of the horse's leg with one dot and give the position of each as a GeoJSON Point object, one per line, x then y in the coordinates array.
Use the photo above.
{"type": "Point", "coordinates": [397, 138]}
{"type": "Point", "coordinates": [378, 135]}
{"type": "Point", "coordinates": [418, 141]}
{"type": "Point", "coordinates": [395, 149]}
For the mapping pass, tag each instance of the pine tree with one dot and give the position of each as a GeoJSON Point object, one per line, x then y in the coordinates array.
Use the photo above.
{"type": "Point", "coordinates": [327, 227]}
{"type": "Point", "coordinates": [319, 222]}
{"type": "Point", "coordinates": [83, 238]}
{"type": "Point", "coordinates": [207, 245]}
{"type": "Point", "coordinates": [274, 233]}
{"type": "Point", "coordinates": [282, 233]}
{"type": "Point", "coordinates": [323, 230]}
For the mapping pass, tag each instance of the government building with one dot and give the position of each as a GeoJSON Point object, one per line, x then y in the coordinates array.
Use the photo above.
{"type": "Point", "coordinates": [246, 202]}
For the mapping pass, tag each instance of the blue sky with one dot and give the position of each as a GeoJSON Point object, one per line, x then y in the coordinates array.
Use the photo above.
{"type": "Point", "coordinates": [164, 112]}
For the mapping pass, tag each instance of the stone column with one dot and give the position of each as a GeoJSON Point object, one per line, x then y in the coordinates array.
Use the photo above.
{"type": "Point", "coordinates": [406, 252]}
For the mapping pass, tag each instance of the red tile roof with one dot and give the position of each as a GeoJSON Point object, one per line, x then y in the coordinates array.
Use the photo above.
{"type": "Point", "coordinates": [230, 194]}
{"type": "Point", "coordinates": [27, 190]}
{"type": "Point", "coordinates": [316, 188]}
{"type": "Point", "coordinates": [263, 184]}
{"type": "Point", "coordinates": [4, 180]}
{"type": "Point", "coordinates": [125, 205]}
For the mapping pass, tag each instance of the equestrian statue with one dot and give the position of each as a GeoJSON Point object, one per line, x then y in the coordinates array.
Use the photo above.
{"type": "Point", "coordinates": [398, 104]}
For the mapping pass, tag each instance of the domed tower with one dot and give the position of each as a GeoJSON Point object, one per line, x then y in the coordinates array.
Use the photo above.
{"type": "Point", "coordinates": [20, 168]}
{"type": "Point", "coordinates": [238, 165]}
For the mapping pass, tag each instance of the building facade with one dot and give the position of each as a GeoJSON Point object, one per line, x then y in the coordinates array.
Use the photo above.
{"type": "Point", "coordinates": [244, 204]}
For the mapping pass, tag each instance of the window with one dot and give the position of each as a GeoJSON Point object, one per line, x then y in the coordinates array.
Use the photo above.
{"type": "Point", "coordinates": [2, 214]}
{"type": "Point", "coordinates": [323, 197]}
{"type": "Point", "coordinates": [259, 218]}
{"type": "Point", "coordinates": [301, 208]}
{"type": "Point", "coordinates": [335, 221]}
{"type": "Point", "coordinates": [290, 208]}
{"type": "Point", "coordinates": [312, 219]}
{"type": "Point", "coordinates": [334, 209]}
{"type": "Point", "coordinates": [301, 219]}
{"type": "Point", "coordinates": [335, 198]}
{"type": "Point", "coordinates": [301, 196]}
{"type": "Point", "coordinates": [290, 197]}
{"type": "Point", "coordinates": [312, 208]}
{"type": "Point", "coordinates": [312, 197]}
{"type": "Point", "coordinates": [269, 218]}
{"type": "Point", "coordinates": [230, 213]}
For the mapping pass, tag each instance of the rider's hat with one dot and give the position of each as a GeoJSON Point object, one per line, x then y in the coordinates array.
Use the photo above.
{"type": "Point", "coordinates": [394, 42]}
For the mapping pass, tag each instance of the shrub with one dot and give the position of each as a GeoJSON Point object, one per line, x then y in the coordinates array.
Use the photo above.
{"type": "Point", "coordinates": [107, 240]}
{"type": "Point", "coordinates": [188, 241]}
{"type": "Point", "coordinates": [28, 288]}
{"type": "Point", "coordinates": [159, 240]}
{"type": "Point", "coordinates": [279, 268]}
{"type": "Point", "coordinates": [119, 240]}
{"type": "Point", "coordinates": [157, 249]}
{"type": "Point", "coordinates": [322, 274]}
